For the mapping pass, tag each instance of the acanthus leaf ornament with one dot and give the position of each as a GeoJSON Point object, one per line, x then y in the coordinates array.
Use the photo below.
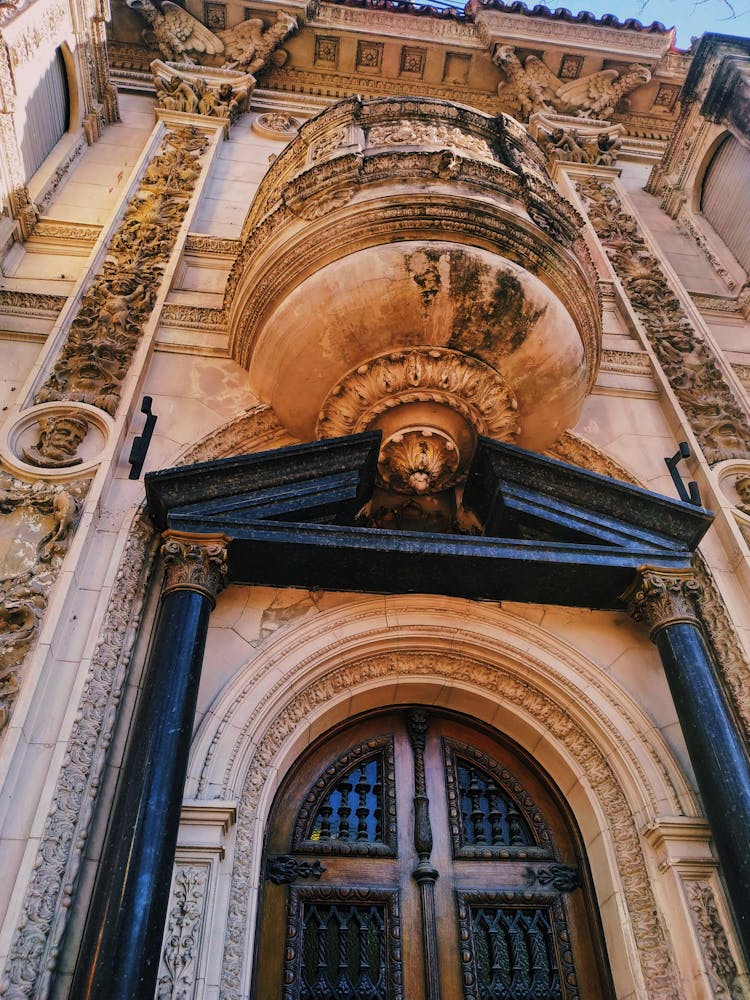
{"type": "Point", "coordinates": [194, 562]}
{"type": "Point", "coordinates": [662, 597]}
{"type": "Point", "coordinates": [718, 421]}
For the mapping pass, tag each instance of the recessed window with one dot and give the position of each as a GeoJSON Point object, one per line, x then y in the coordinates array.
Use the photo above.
{"type": "Point", "coordinates": [43, 119]}
{"type": "Point", "coordinates": [725, 198]}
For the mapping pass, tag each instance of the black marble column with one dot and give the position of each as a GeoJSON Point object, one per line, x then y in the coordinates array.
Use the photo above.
{"type": "Point", "coordinates": [665, 601]}
{"type": "Point", "coordinates": [119, 956]}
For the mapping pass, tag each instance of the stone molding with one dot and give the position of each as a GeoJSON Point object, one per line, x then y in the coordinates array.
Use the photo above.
{"type": "Point", "coordinates": [185, 920]}
{"type": "Point", "coordinates": [718, 421]}
{"type": "Point", "coordinates": [47, 901]}
{"type": "Point", "coordinates": [660, 598]}
{"type": "Point", "coordinates": [194, 562]}
{"type": "Point", "coordinates": [655, 958]}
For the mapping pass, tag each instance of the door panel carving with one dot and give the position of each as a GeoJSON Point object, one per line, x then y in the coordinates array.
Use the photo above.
{"type": "Point", "coordinates": [452, 871]}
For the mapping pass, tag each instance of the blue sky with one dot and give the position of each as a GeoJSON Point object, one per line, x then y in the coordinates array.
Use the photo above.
{"type": "Point", "coordinates": [689, 17]}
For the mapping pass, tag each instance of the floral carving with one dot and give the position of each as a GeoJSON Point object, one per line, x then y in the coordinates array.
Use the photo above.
{"type": "Point", "coordinates": [462, 383]}
{"type": "Point", "coordinates": [662, 597]}
{"type": "Point", "coordinates": [722, 968]}
{"type": "Point", "coordinates": [195, 562]}
{"type": "Point", "coordinates": [718, 421]}
{"type": "Point", "coordinates": [177, 979]}
{"type": "Point", "coordinates": [108, 326]}
{"type": "Point", "coordinates": [24, 593]}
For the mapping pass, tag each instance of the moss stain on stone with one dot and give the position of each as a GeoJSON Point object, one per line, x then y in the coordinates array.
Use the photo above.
{"type": "Point", "coordinates": [492, 316]}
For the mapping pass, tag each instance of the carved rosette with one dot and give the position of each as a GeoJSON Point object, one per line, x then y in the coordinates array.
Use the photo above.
{"type": "Point", "coordinates": [194, 562]}
{"type": "Point", "coordinates": [662, 597]}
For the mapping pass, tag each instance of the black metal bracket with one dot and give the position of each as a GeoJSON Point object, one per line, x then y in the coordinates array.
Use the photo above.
{"type": "Point", "coordinates": [692, 494]}
{"type": "Point", "coordinates": [140, 444]}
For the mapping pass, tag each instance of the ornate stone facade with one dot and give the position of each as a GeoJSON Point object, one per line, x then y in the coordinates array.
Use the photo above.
{"type": "Point", "coordinates": [356, 260]}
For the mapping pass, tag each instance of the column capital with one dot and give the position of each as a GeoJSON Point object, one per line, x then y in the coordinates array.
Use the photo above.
{"type": "Point", "coordinates": [661, 597]}
{"type": "Point", "coordinates": [195, 562]}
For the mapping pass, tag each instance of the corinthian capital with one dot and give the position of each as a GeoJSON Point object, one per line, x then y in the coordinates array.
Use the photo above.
{"type": "Point", "coordinates": [661, 597]}
{"type": "Point", "coordinates": [194, 562]}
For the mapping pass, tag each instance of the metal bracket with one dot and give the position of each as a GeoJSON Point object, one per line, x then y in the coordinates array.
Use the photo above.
{"type": "Point", "coordinates": [692, 494]}
{"type": "Point", "coordinates": [140, 444]}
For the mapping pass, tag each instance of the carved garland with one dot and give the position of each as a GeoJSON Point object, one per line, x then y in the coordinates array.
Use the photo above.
{"type": "Point", "coordinates": [112, 314]}
{"type": "Point", "coordinates": [717, 420]}
{"type": "Point", "coordinates": [649, 934]}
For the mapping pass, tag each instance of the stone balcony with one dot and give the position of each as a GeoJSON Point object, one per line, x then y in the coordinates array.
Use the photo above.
{"type": "Point", "coordinates": [408, 265]}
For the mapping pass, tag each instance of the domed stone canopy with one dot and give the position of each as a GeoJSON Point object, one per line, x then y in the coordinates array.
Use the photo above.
{"type": "Point", "coordinates": [401, 226]}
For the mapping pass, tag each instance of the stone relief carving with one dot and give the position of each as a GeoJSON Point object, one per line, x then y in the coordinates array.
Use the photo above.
{"type": "Point", "coordinates": [572, 145]}
{"type": "Point", "coordinates": [34, 950]}
{"type": "Point", "coordinates": [422, 374]}
{"type": "Point", "coordinates": [105, 332]}
{"type": "Point", "coordinates": [194, 317]}
{"type": "Point", "coordinates": [718, 421]}
{"type": "Point", "coordinates": [182, 38]}
{"type": "Point", "coordinates": [177, 970]}
{"type": "Point", "coordinates": [720, 963]}
{"type": "Point", "coordinates": [418, 460]}
{"type": "Point", "coordinates": [30, 303]}
{"type": "Point", "coordinates": [422, 133]}
{"type": "Point", "coordinates": [60, 437]}
{"type": "Point", "coordinates": [29, 564]}
{"type": "Point", "coordinates": [194, 563]}
{"type": "Point", "coordinates": [276, 125]}
{"type": "Point", "coordinates": [653, 950]}
{"type": "Point", "coordinates": [531, 86]}
{"type": "Point", "coordinates": [213, 95]}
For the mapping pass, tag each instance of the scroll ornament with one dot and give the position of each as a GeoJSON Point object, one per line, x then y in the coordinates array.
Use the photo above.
{"type": "Point", "coordinates": [197, 562]}
{"type": "Point", "coordinates": [663, 597]}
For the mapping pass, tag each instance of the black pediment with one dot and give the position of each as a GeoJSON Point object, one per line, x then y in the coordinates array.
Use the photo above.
{"type": "Point", "coordinates": [553, 533]}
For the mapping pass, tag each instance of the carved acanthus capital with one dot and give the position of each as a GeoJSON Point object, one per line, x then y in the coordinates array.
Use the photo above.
{"type": "Point", "coordinates": [195, 562]}
{"type": "Point", "coordinates": [662, 597]}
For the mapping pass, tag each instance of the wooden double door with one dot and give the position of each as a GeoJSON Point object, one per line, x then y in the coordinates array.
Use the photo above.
{"type": "Point", "coordinates": [416, 856]}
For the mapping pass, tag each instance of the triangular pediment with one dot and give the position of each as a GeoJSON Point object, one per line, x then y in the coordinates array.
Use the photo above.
{"type": "Point", "coordinates": [552, 533]}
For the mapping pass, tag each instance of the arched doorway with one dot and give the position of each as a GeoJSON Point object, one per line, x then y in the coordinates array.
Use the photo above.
{"type": "Point", "coordinates": [509, 906]}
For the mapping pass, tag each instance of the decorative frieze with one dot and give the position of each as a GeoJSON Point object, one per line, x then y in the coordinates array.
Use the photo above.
{"type": "Point", "coordinates": [105, 332]}
{"type": "Point", "coordinates": [719, 423]}
{"type": "Point", "coordinates": [213, 94]}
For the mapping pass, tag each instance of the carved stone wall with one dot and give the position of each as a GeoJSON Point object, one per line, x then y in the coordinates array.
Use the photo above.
{"type": "Point", "coordinates": [718, 419]}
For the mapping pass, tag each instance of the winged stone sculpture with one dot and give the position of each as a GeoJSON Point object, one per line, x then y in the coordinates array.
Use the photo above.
{"type": "Point", "coordinates": [532, 86]}
{"type": "Point", "coordinates": [181, 38]}
{"type": "Point", "coordinates": [178, 35]}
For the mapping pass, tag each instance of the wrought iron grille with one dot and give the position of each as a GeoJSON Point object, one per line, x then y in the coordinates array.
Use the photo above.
{"type": "Point", "coordinates": [514, 954]}
{"type": "Point", "coordinates": [343, 952]}
{"type": "Point", "coordinates": [489, 815]}
{"type": "Point", "coordinates": [353, 809]}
